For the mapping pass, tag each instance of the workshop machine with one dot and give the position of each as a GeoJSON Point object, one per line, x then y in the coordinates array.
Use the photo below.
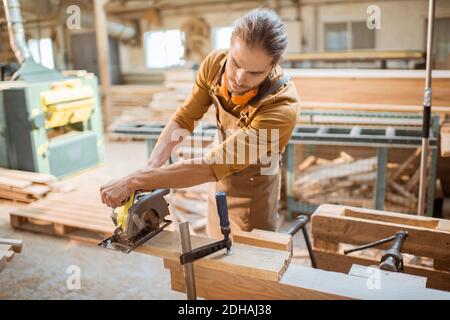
{"type": "Point", "coordinates": [49, 123]}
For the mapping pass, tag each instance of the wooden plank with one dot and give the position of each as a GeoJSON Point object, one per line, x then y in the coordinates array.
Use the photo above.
{"type": "Point", "coordinates": [333, 261]}
{"type": "Point", "coordinates": [16, 244]}
{"type": "Point", "coordinates": [2, 263]}
{"type": "Point", "coordinates": [32, 192]}
{"type": "Point", "coordinates": [10, 195]}
{"type": "Point", "coordinates": [298, 283]}
{"type": "Point", "coordinates": [356, 55]}
{"type": "Point", "coordinates": [325, 245]}
{"type": "Point", "coordinates": [103, 56]}
{"type": "Point", "coordinates": [15, 183]}
{"type": "Point", "coordinates": [350, 88]}
{"type": "Point", "coordinates": [405, 279]}
{"type": "Point", "coordinates": [37, 191]}
{"type": "Point", "coordinates": [441, 264]}
{"type": "Point", "coordinates": [361, 226]}
{"type": "Point", "coordinates": [369, 107]}
{"type": "Point", "coordinates": [7, 254]}
{"type": "Point", "coordinates": [264, 239]}
{"type": "Point", "coordinates": [70, 222]}
{"type": "Point", "coordinates": [219, 285]}
{"type": "Point", "coordinates": [35, 177]}
{"type": "Point", "coordinates": [405, 164]}
{"type": "Point", "coordinates": [445, 140]}
{"type": "Point", "coordinates": [253, 262]}
{"type": "Point", "coordinates": [59, 215]}
{"type": "Point", "coordinates": [5, 247]}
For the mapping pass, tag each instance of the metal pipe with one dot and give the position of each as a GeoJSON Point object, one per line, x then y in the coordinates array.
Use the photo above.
{"type": "Point", "coordinates": [16, 30]}
{"type": "Point", "coordinates": [115, 28]}
{"type": "Point", "coordinates": [426, 110]}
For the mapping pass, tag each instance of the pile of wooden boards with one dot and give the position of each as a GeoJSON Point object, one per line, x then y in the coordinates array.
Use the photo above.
{"type": "Point", "coordinates": [349, 181]}
{"type": "Point", "coordinates": [24, 186]}
{"type": "Point", "coordinates": [8, 247]}
{"type": "Point", "coordinates": [138, 103]}
{"type": "Point", "coordinates": [426, 250]}
{"type": "Point", "coordinates": [179, 84]}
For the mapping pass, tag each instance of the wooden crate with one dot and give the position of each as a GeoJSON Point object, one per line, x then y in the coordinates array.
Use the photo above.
{"type": "Point", "coordinates": [335, 227]}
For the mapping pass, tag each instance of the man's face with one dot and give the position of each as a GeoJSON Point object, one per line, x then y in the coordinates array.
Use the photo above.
{"type": "Point", "coordinates": [246, 67]}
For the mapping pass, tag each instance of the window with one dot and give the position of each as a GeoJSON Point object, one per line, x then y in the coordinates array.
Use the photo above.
{"type": "Point", "coordinates": [42, 51]}
{"type": "Point", "coordinates": [164, 48]}
{"type": "Point", "coordinates": [441, 44]}
{"type": "Point", "coordinates": [362, 37]}
{"type": "Point", "coordinates": [222, 37]}
{"type": "Point", "coordinates": [348, 36]}
{"type": "Point", "coordinates": [335, 36]}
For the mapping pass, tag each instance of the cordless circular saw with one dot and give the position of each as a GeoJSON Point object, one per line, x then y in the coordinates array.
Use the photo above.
{"type": "Point", "coordinates": [138, 220]}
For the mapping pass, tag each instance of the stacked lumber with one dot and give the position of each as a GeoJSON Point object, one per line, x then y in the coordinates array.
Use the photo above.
{"type": "Point", "coordinates": [426, 250]}
{"type": "Point", "coordinates": [130, 103]}
{"type": "Point", "coordinates": [144, 104]}
{"type": "Point", "coordinates": [128, 96]}
{"type": "Point", "coordinates": [179, 84]}
{"type": "Point", "coordinates": [8, 247]}
{"type": "Point", "coordinates": [23, 186]}
{"type": "Point", "coordinates": [349, 181]}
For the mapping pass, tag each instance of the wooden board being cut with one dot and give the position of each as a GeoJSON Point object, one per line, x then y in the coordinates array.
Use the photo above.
{"type": "Point", "coordinates": [249, 261]}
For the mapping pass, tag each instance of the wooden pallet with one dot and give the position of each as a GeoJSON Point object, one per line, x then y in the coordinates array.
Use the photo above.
{"type": "Point", "coordinates": [8, 247]}
{"type": "Point", "coordinates": [23, 186]}
{"type": "Point", "coordinates": [335, 227]}
{"type": "Point", "coordinates": [79, 215]}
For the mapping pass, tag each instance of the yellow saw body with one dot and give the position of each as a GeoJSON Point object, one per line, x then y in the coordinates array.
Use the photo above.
{"type": "Point", "coordinates": [138, 220]}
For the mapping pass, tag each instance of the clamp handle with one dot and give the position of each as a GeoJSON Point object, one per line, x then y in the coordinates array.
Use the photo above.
{"type": "Point", "coordinates": [222, 209]}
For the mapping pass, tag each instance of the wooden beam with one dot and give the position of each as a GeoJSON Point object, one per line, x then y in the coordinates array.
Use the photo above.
{"type": "Point", "coordinates": [298, 282]}
{"type": "Point", "coordinates": [334, 261]}
{"type": "Point", "coordinates": [445, 140]}
{"type": "Point", "coordinates": [101, 32]}
{"type": "Point", "coordinates": [249, 261]}
{"type": "Point", "coordinates": [359, 226]}
{"type": "Point", "coordinates": [356, 55]}
{"type": "Point", "coordinates": [264, 239]}
{"type": "Point", "coordinates": [15, 244]}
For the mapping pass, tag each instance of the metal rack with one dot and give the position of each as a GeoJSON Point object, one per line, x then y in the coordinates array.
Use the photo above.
{"type": "Point", "coordinates": [378, 130]}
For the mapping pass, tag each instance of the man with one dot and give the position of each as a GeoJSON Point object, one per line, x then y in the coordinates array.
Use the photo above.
{"type": "Point", "coordinates": [256, 108]}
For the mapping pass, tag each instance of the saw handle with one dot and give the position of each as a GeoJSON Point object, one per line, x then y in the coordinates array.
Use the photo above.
{"type": "Point", "coordinates": [222, 209]}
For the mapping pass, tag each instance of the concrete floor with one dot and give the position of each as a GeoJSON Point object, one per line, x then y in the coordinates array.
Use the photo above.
{"type": "Point", "coordinates": [41, 270]}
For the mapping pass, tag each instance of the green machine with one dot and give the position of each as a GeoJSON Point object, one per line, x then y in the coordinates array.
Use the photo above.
{"type": "Point", "coordinates": [50, 123]}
